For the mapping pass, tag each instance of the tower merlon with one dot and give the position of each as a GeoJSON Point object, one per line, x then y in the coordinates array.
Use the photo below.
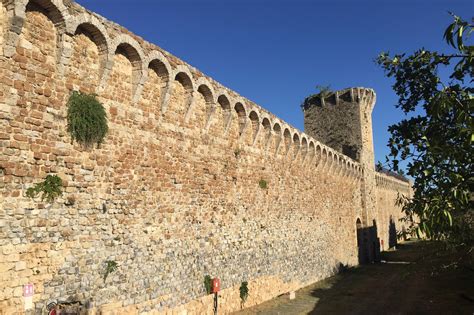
{"type": "Point", "coordinates": [342, 120]}
{"type": "Point", "coordinates": [366, 97]}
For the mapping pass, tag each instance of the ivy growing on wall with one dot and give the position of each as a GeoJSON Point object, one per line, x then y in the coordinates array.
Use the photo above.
{"type": "Point", "coordinates": [49, 189]}
{"type": "Point", "coordinates": [87, 119]}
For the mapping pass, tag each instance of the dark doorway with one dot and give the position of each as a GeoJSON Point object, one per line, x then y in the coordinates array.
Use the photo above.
{"type": "Point", "coordinates": [375, 243]}
{"type": "Point", "coordinates": [362, 242]}
{"type": "Point", "coordinates": [392, 233]}
{"type": "Point", "coordinates": [368, 243]}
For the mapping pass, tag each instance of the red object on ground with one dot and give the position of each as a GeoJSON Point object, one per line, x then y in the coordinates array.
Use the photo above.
{"type": "Point", "coordinates": [216, 285]}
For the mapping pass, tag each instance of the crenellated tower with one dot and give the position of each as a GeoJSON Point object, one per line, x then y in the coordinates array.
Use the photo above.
{"type": "Point", "coordinates": [343, 121]}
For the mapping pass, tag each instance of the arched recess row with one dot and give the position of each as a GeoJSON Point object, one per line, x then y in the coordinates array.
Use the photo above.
{"type": "Point", "coordinates": [155, 65]}
{"type": "Point", "coordinates": [203, 111]}
{"type": "Point", "coordinates": [127, 46]}
{"type": "Point", "coordinates": [155, 61]}
{"type": "Point", "coordinates": [287, 141]}
{"type": "Point", "coordinates": [92, 28]}
{"type": "Point", "coordinates": [4, 26]}
{"type": "Point", "coordinates": [241, 117]}
{"type": "Point", "coordinates": [296, 146]}
{"type": "Point", "coordinates": [254, 125]}
{"type": "Point", "coordinates": [303, 148]}
{"type": "Point", "coordinates": [223, 112]}
{"type": "Point", "coordinates": [16, 12]}
{"type": "Point", "coordinates": [89, 25]}
{"type": "Point", "coordinates": [311, 154]}
{"type": "Point", "coordinates": [87, 43]}
{"type": "Point", "coordinates": [181, 75]}
{"type": "Point", "coordinates": [277, 137]}
{"type": "Point", "coordinates": [266, 132]}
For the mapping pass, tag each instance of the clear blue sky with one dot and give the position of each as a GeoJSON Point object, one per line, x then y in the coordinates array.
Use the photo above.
{"type": "Point", "coordinates": [274, 52]}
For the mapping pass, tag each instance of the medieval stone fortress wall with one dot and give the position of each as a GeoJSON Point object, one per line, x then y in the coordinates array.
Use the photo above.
{"type": "Point", "coordinates": [175, 192]}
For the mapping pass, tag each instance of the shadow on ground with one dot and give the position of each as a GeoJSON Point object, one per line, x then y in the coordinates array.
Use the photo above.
{"type": "Point", "coordinates": [418, 278]}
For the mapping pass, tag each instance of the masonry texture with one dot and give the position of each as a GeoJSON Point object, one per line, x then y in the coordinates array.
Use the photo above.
{"type": "Point", "coordinates": [173, 193]}
{"type": "Point", "coordinates": [336, 121]}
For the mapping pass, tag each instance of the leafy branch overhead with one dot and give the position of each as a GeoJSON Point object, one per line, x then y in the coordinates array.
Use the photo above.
{"type": "Point", "coordinates": [436, 138]}
{"type": "Point", "coordinates": [49, 189]}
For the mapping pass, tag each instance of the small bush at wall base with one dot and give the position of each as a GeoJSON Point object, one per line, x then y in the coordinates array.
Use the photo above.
{"type": "Point", "coordinates": [87, 119]}
{"type": "Point", "coordinates": [244, 292]}
{"type": "Point", "coordinates": [208, 283]}
{"type": "Point", "coordinates": [263, 184]}
{"type": "Point", "coordinates": [49, 189]}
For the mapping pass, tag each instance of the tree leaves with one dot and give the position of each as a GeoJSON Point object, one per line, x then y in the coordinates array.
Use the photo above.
{"type": "Point", "coordinates": [438, 142]}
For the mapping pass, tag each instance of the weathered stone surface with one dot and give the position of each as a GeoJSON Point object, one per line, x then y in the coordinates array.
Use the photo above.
{"type": "Point", "coordinates": [174, 192]}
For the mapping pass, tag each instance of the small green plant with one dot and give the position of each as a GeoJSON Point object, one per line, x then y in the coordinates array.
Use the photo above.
{"type": "Point", "coordinates": [244, 292]}
{"type": "Point", "coordinates": [208, 283]}
{"type": "Point", "coordinates": [323, 92]}
{"type": "Point", "coordinates": [49, 189]}
{"type": "Point", "coordinates": [237, 153]}
{"type": "Point", "coordinates": [110, 266]}
{"type": "Point", "coordinates": [263, 184]}
{"type": "Point", "coordinates": [87, 119]}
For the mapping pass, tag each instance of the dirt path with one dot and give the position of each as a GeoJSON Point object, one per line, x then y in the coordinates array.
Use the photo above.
{"type": "Point", "coordinates": [414, 279]}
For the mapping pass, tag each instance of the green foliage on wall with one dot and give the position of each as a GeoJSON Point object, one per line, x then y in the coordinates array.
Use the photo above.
{"type": "Point", "coordinates": [49, 189]}
{"type": "Point", "coordinates": [244, 292]}
{"type": "Point", "coordinates": [208, 283]}
{"type": "Point", "coordinates": [110, 266]}
{"type": "Point", "coordinates": [237, 153]}
{"type": "Point", "coordinates": [323, 92]}
{"type": "Point", "coordinates": [87, 119]}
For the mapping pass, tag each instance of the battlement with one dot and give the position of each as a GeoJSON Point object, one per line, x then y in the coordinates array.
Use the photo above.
{"type": "Point", "coordinates": [72, 20]}
{"type": "Point", "coordinates": [342, 120]}
{"type": "Point", "coordinates": [364, 96]}
{"type": "Point", "coordinates": [392, 183]}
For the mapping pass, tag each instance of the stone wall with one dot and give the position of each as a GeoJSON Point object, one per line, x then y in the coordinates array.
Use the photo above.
{"type": "Point", "coordinates": [335, 120]}
{"type": "Point", "coordinates": [389, 216]}
{"type": "Point", "coordinates": [343, 120]}
{"type": "Point", "coordinates": [171, 195]}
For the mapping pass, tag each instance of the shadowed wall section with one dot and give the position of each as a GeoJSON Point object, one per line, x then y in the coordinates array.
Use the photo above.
{"type": "Point", "coordinates": [389, 214]}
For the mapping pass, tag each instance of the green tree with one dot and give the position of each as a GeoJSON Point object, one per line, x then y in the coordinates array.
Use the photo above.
{"type": "Point", "coordinates": [436, 137]}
